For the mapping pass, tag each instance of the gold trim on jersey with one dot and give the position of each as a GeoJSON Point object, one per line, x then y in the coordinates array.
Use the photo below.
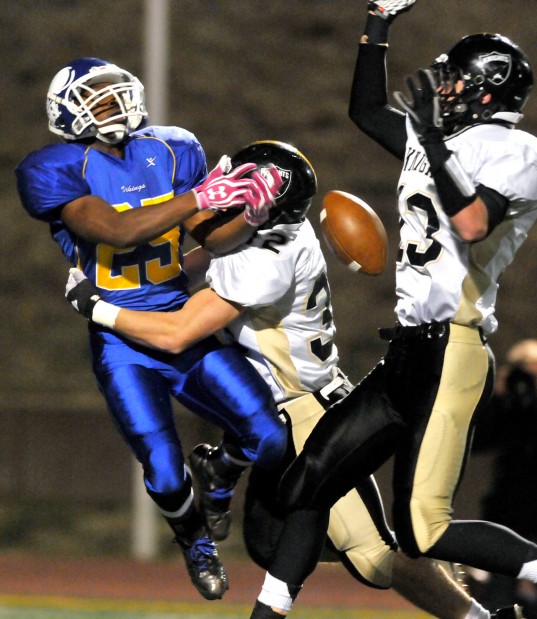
{"type": "Point", "coordinates": [478, 280]}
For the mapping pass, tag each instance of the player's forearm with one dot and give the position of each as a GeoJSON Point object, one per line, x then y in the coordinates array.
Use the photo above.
{"type": "Point", "coordinates": [471, 223]}
{"type": "Point", "coordinates": [229, 236]}
{"type": "Point", "coordinates": [220, 235]}
{"type": "Point", "coordinates": [150, 222]}
{"type": "Point", "coordinates": [159, 330]}
{"type": "Point", "coordinates": [97, 221]}
{"type": "Point", "coordinates": [203, 315]}
{"type": "Point", "coordinates": [368, 106]}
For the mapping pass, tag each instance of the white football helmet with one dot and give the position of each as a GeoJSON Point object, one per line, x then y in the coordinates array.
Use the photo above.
{"type": "Point", "coordinates": [71, 98]}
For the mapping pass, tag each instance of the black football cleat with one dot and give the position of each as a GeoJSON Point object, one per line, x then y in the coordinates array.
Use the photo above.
{"type": "Point", "coordinates": [204, 567]}
{"type": "Point", "coordinates": [215, 491]}
{"type": "Point", "coordinates": [509, 612]}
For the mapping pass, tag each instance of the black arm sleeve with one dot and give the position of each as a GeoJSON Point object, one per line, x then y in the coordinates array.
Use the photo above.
{"type": "Point", "coordinates": [369, 108]}
{"type": "Point", "coordinates": [496, 204]}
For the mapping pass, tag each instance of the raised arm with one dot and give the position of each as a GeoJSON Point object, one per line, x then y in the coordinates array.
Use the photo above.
{"type": "Point", "coordinates": [368, 107]}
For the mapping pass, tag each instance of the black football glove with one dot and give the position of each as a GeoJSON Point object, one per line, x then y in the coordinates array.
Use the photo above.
{"type": "Point", "coordinates": [423, 107]}
{"type": "Point", "coordinates": [81, 293]}
{"type": "Point", "coordinates": [389, 9]}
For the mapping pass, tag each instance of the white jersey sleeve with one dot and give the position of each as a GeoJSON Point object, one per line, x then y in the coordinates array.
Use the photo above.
{"type": "Point", "coordinates": [438, 276]}
{"type": "Point", "coordinates": [287, 328]}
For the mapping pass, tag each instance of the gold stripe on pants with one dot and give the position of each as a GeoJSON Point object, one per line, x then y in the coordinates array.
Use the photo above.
{"type": "Point", "coordinates": [443, 447]}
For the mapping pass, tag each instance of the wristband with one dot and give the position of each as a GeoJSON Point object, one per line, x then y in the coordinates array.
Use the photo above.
{"type": "Point", "coordinates": [454, 187]}
{"type": "Point", "coordinates": [105, 314]}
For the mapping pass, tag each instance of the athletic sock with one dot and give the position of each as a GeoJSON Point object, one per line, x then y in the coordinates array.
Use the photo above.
{"type": "Point", "coordinates": [477, 611]}
{"type": "Point", "coordinates": [276, 594]}
{"type": "Point", "coordinates": [529, 571]}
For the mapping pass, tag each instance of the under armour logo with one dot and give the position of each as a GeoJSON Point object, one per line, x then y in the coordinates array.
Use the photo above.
{"type": "Point", "coordinates": [150, 161]}
{"type": "Point", "coordinates": [215, 193]}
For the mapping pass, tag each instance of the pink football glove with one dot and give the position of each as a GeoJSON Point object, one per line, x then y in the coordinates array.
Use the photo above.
{"type": "Point", "coordinates": [222, 190]}
{"type": "Point", "coordinates": [264, 193]}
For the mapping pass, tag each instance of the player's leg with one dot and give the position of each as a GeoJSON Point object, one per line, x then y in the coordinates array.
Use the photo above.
{"type": "Point", "coordinates": [457, 369]}
{"type": "Point", "coordinates": [322, 473]}
{"type": "Point", "coordinates": [140, 406]}
{"type": "Point", "coordinates": [224, 388]}
{"type": "Point", "coordinates": [351, 440]}
{"type": "Point", "coordinates": [358, 533]}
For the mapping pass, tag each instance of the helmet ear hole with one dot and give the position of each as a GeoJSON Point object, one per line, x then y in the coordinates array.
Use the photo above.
{"type": "Point", "coordinates": [299, 179]}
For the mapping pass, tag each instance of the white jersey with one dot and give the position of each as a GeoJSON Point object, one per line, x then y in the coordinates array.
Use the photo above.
{"type": "Point", "coordinates": [287, 327]}
{"type": "Point", "coordinates": [438, 276]}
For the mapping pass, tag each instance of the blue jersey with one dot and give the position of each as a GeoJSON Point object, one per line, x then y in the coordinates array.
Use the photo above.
{"type": "Point", "coordinates": [159, 163]}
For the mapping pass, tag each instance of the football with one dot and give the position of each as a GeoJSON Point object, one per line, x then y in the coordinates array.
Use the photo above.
{"type": "Point", "coordinates": [354, 233]}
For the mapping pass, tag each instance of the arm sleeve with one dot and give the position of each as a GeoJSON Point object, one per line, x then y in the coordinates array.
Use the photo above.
{"type": "Point", "coordinates": [250, 278]}
{"type": "Point", "coordinates": [369, 108]}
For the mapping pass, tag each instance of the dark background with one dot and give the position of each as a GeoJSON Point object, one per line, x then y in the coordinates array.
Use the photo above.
{"type": "Point", "coordinates": [239, 71]}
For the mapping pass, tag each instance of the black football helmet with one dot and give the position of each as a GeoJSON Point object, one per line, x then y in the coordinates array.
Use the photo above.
{"type": "Point", "coordinates": [481, 64]}
{"type": "Point", "coordinates": [299, 180]}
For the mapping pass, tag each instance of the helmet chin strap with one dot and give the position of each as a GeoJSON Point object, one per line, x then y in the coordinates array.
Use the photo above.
{"type": "Point", "coordinates": [112, 134]}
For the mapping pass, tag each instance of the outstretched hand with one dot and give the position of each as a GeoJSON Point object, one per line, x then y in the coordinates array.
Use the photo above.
{"type": "Point", "coordinates": [389, 9]}
{"type": "Point", "coordinates": [423, 106]}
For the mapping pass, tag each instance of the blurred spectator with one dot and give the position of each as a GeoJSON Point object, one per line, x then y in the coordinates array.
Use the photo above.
{"type": "Point", "coordinates": [509, 428]}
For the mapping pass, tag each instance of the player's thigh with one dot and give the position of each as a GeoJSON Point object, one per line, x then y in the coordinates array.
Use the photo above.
{"type": "Point", "coordinates": [138, 399]}
{"type": "Point", "coordinates": [351, 440]}
{"type": "Point", "coordinates": [226, 390]}
{"type": "Point", "coordinates": [429, 465]}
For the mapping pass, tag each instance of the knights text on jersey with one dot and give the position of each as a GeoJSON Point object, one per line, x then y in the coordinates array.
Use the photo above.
{"type": "Point", "coordinates": [159, 163]}
{"type": "Point", "coordinates": [287, 328]}
{"type": "Point", "coordinates": [438, 276]}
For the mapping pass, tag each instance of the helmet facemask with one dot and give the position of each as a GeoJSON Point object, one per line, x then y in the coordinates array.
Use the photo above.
{"type": "Point", "coordinates": [73, 112]}
{"type": "Point", "coordinates": [483, 75]}
{"type": "Point", "coordinates": [459, 95]}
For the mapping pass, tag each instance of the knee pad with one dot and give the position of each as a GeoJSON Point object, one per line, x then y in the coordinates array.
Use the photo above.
{"type": "Point", "coordinates": [164, 469]}
{"type": "Point", "coordinates": [353, 533]}
{"type": "Point", "coordinates": [299, 485]}
{"type": "Point", "coordinates": [420, 525]}
{"type": "Point", "coordinates": [272, 445]}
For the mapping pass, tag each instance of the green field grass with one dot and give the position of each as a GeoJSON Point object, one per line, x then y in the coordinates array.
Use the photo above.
{"type": "Point", "coordinates": [42, 607]}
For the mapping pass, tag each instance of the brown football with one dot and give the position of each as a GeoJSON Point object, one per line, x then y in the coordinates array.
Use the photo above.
{"type": "Point", "coordinates": [354, 233]}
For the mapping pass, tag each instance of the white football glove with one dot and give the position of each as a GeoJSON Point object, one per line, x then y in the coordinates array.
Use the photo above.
{"type": "Point", "coordinates": [389, 9]}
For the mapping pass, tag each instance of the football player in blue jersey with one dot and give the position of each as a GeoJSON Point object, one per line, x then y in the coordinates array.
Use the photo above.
{"type": "Point", "coordinates": [118, 197]}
